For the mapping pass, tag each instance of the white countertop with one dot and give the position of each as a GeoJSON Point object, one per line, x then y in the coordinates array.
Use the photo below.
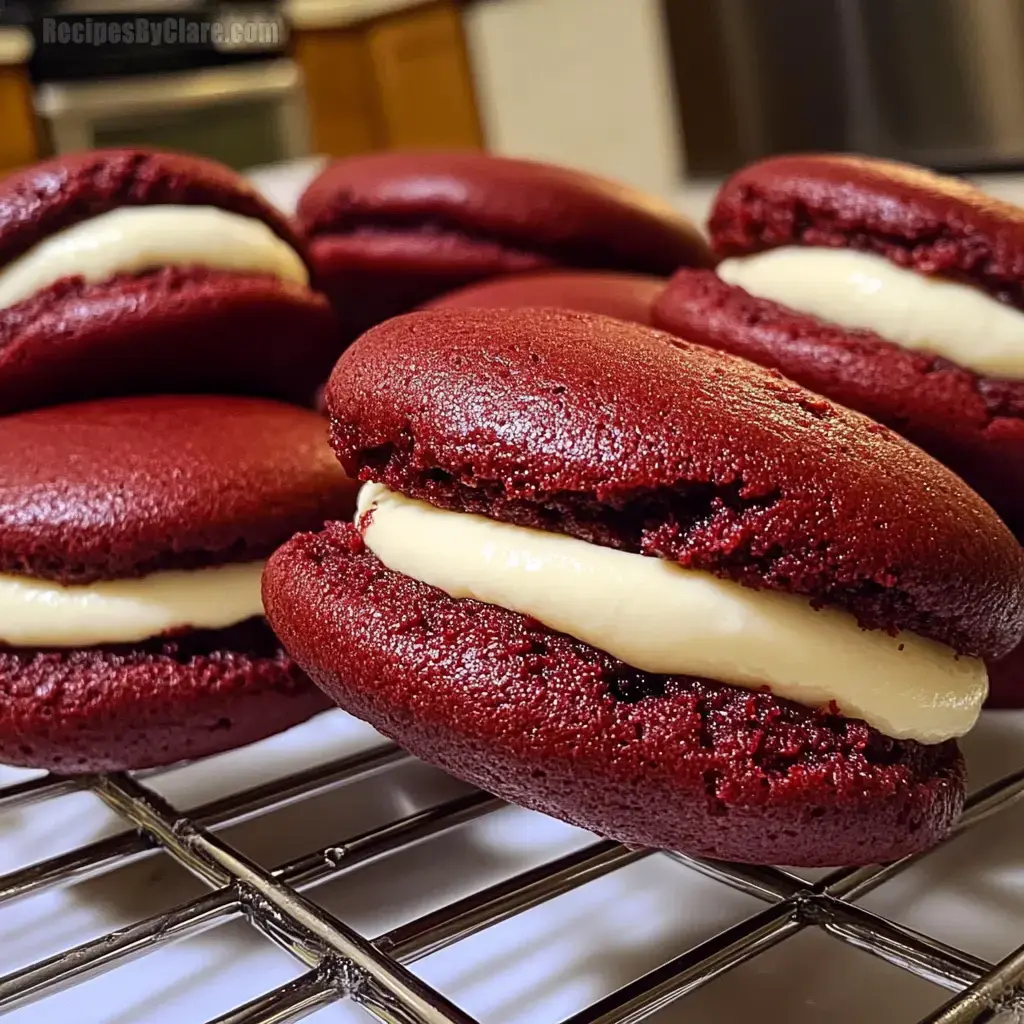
{"type": "Point", "coordinates": [283, 183]}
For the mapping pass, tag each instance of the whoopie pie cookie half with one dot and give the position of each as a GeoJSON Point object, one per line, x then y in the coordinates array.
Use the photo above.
{"type": "Point", "coordinates": [623, 296]}
{"type": "Point", "coordinates": [389, 231]}
{"type": "Point", "coordinates": [130, 271]}
{"type": "Point", "coordinates": [133, 533]}
{"type": "Point", "coordinates": [649, 588]}
{"type": "Point", "coordinates": [885, 287]}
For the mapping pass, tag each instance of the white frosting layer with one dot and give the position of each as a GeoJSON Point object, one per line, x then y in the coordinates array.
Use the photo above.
{"type": "Point", "coordinates": [39, 613]}
{"type": "Point", "coordinates": [662, 618]}
{"type": "Point", "coordinates": [915, 311]}
{"type": "Point", "coordinates": [139, 238]}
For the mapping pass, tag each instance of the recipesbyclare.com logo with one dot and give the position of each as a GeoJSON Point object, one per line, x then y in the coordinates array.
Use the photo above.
{"type": "Point", "coordinates": [240, 31]}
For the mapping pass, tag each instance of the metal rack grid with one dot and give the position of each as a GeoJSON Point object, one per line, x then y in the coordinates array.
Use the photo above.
{"type": "Point", "coordinates": [374, 973]}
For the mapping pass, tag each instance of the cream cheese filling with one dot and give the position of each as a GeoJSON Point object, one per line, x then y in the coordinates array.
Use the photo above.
{"type": "Point", "coordinates": [662, 618]}
{"type": "Point", "coordinates": [134, 239]}
{"type": "Point", "coordinates": [40, 613]}
{"type": "Point", "coordinates": [912, 310]}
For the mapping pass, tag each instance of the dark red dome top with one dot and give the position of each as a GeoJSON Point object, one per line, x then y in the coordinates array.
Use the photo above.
{"type": "Point", "coordinates": [574, 218]}
{"type": "Point", "coordinates": [126, 486]}
{"type": "Point", "coordinates": [626, 437]}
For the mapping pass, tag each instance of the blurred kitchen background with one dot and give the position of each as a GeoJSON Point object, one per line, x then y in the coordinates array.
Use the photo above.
{"type": "Point", "coordinates": [669, 95]}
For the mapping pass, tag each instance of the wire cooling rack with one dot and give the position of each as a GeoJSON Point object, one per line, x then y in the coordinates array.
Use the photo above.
{"type": "Point", "coordinates": [342, 964]}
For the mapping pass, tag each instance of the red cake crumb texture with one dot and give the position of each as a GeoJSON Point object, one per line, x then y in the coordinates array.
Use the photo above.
{"type": "Point", "coordinates": [625, 437]}
{"type": "Point", "coordinates": [928, 222]}
{"type": "Point", "coordinates": [138, 706]}
{"type": "Point", "coordinates": [623, 296]}
{"type": "Point", "coordinates": [973, 424]}
{"type": "Point", "coordinates": [59, 193]}
{"type": "Point", "coordinates": [552, 724]}
{"type": "Point", "coordinates": [125, 487]}
{"type": "Point", "coordinates": [174, 330]}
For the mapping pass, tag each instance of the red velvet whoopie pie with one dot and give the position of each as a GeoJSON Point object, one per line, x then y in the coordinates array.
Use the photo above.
{"type": "Point", "coordinates": [892, 219]}
{"type": "Point", "coordinates": [131, 546]}
{"type": "Point", "coordinates": [623, 296]}
{"type": "Point", "coordinates": [388, 232]}
{"type": "Point", "coordinates": [622, 580]}
{"type": "Point", "coordinates": [910, 311]}
{"type": "Point", "coordinates": [129, 271]}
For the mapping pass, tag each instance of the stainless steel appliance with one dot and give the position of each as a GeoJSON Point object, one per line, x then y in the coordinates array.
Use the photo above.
{"type": "Point", "coordinates": [936, 82]}
{"type": "Point", "coordinates": [245, 115]}
{"type": "Point", "coordinates": [198, 75]}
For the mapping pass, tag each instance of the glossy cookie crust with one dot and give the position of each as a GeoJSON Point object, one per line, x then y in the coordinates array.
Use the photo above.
{"type": "Point", "coordinates": [128, 486]}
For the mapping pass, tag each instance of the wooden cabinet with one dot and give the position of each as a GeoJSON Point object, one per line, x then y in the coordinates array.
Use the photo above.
{"type": "Point", "coordinates": [400, 80]}
{"type": "Point", "coordinates": [341, 91]}
{"type": "Point", "coordinates": [423, 79]}
{"type": "Point", "coordinates": [19, 143]}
